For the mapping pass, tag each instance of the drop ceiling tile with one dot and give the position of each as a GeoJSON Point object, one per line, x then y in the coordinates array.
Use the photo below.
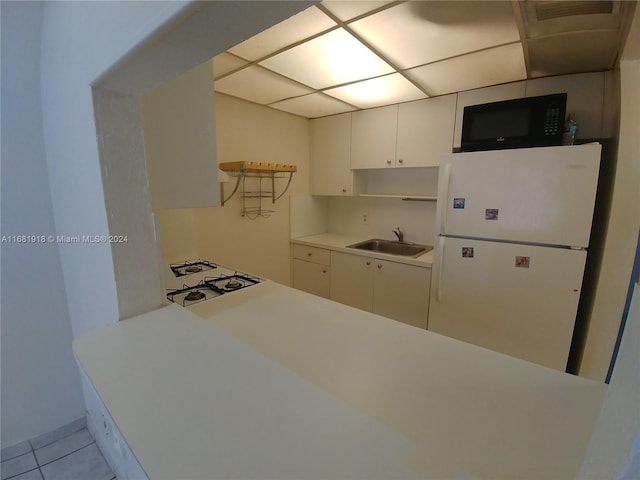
{"type": "Point", "coordinates": [259, 85]}
{"type": "Point", "coordinates": [225, 63]}
{"type": "Point", "coordinates": [346, 10]}
{"type": "Point", "coordinates": [416, 33]}
{"type": "Point", "coordinates": [379, 91]}
{"type": "Point", "coordinates": [331, 59]}
{"type": "Point", "coordinates": [588, 51]}
{"type": "Point", "coordinates": [480, 69]}
{"type": "Point", "coordinates": [303, 25]}
{"type": "Point", "coordinates": [313, 106]}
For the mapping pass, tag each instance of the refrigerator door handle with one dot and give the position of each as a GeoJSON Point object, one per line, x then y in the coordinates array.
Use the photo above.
{"type": "Point", "coordinates": [444, 209]}
{"type": "Point", "coordinates": [441, 241]}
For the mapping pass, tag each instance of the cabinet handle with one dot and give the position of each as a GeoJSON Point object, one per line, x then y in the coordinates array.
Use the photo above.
{"type": "Point", "coordinates": [380, 266]}
{"type": "Point", "coordinates": [368, 263]}
{"type": "Point", "coordinates": [344, 190]}
{"type": "Point", "coordinates": [400, 160]}
{"type": "Point", "coordinates": [324, 271]}
{"type": "Point", "coordinates": [388, 162]}
{"type": "Point", "coordinates": [309, 254]}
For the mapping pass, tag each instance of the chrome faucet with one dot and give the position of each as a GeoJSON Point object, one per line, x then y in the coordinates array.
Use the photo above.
{"type": "Point", "coordinates": [399, 234]}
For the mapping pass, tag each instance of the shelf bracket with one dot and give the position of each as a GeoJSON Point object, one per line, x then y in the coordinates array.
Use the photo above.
{"type": "Point", "coordinates": [235, 189]}
{"type": "Point", "coordinates": [242, 170]}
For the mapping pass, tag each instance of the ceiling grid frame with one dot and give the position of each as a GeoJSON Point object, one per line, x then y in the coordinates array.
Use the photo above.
{"type": "Point", "coordinates": [345, 18]}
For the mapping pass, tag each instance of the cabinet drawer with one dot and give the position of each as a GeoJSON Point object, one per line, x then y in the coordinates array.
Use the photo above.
{"type": "Point", "coordinates": [311, 254]}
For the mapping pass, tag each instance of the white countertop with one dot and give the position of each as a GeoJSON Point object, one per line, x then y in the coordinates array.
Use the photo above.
{"type": "Point", "coordinates": [339, 242]}
{"type": "Point", "coordinates": [272, 382]}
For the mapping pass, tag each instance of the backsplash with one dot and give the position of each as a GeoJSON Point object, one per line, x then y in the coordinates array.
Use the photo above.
{"type": "Point", "coordinates": [346, 215]}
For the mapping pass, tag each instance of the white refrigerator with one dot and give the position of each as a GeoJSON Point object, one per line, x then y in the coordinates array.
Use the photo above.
{"type": "Point", "coordinates": [512, 231]}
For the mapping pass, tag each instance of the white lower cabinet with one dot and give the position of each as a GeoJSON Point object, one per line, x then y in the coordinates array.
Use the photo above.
{"type": "Point", "coordinates": [391, 289]}
{"type": "Point", "coordinates": [402, 292]}
{"type": "Point", "coordinates": [352, 280]}
{"type": "Point", "coordinates": [311, 269]}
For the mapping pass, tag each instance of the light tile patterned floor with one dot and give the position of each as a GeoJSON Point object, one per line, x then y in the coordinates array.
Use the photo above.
{"type": "Point", "coordinates": [67, 453]}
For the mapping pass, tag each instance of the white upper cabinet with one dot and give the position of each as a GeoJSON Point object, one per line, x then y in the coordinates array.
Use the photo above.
{"type": "Point", "coordinates": [373, 137]}
{"type": "Point", "coordinates": [425, 131]}
{"type": "Point", "coordinates": [180, 141]}
{"type": "Point", "coordinates": [331, 155]}
{"type": "Point", "coordinates": [412, 134]}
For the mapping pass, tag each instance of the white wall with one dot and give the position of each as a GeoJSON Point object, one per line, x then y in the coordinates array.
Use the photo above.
{"type": "Point", "coordinates": [128, 47]}
{"type": "Point", "coordinates": [40, 384]}
{"type": "Point", "coordinates": [624, 221]}
{"type": "Point", "coordinates": [81, 43]}
{"type": "Point", "coordinates": [80, 40]}
{"type": "Point", "coordinates": [614, 450]}
{"type": "Point", "coordinates": [247, 131]}
{"type": "Point", "coordinates": [415, 219]}
{"type": "Point", "coordinates": [251, 132]}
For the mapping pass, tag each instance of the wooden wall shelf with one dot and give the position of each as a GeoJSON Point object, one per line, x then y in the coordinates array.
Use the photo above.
{"type": "Point", "coordinates": [269, 171]}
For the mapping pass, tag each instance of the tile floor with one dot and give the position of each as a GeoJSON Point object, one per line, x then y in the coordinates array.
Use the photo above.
{"type": "Point", "coordinates": [67, 453]}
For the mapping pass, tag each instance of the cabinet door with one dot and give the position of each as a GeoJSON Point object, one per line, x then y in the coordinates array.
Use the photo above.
{"type": "Point", "coordinates": [351, 280]}
{"type": "Point", "coordinates": [180, 141]}
{"type": "Point", "coordinates": [331, 155]}
{"type": "Point", "coordinates": [373, 137]}
{"type": "Point", "coordinates": [311, 277]}
{"type": "Point", "coordinates": [401, 292]}
{"type": "Point", "coordinates": [425, 131]}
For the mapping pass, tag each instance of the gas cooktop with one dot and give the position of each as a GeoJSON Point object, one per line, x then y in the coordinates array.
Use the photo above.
{"type": "Point", "coordinates": [204, 280]}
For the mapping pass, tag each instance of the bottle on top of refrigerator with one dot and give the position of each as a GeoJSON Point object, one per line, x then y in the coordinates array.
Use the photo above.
{"type": "Point", "coordinates": [570, 131]}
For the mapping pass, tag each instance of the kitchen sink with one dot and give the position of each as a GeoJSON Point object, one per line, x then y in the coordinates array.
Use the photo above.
{"type": "Point", "coordinates": [392, 247]}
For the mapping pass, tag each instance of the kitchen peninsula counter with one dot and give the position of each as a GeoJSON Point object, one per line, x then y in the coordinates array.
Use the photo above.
{"type": "Point", "coordinates": [271, 382]}
{"type": "Point", "coordinates": [339, 242]}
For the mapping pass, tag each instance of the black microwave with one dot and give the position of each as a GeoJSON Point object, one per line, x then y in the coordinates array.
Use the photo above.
{"type": "Point", "coordinates": [519, 123]}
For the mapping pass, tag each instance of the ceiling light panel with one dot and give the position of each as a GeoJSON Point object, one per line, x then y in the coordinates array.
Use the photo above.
{"type": "Point", "coordinates": [379, 91]}
{"type": "Point", "coordinates": [331, 59]}
{"type": "Point", "coordinates": [416, 33]}
{"type": "Point", "coordinates": [259, 85]}
{"type": "Point", "coordinates": [480, 69]}
{"type": "Point", "coordinates": [303, 25]}
{"type": "Point", "coordinates": [225, 63]}
{"type": "Point", "coordinates": [313, 106]}
{"type": "Point", "coordinates": [346, 10]}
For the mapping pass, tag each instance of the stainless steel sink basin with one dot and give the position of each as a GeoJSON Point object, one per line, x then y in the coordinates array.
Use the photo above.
{"type": "Point", "coordinates": [391, 247]}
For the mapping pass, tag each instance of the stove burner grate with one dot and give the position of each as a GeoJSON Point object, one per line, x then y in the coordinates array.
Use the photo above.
{"type": "Point", "coordinates": [188, 295]}
{"type": "Point", "coordinates": [231, 283]}
{"type": "Point", "coordinates": [195, 295]}
{"type": "Point", "coordinates": [191, 266]}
